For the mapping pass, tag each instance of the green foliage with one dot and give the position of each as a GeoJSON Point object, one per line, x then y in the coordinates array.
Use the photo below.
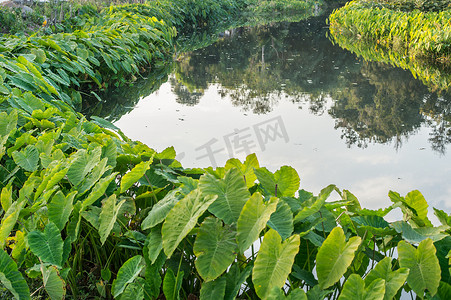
{"type": "Point", "coordinates": [402, 36]}
{"type": "Point", "coordinates": [131, 216]}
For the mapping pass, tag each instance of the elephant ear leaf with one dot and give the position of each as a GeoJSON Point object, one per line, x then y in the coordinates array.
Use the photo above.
{"type": "Point", "coordinates": [53, 283]}
{"type": "Point", "coordinates": [283, 183]}
{"type": "Point", "coordinates": [134, 175]}
{"type": "Point", "coordinates": [232, 194]}
{"type": "Point", "coordinates": [355, 289]}
{"type": "Point", "coordinates": [47, 245]}
{"type": "Point", "coordinates": [273, 263]}
{"type": "Point", "coordinates": [334, 257]}
{"type": "Point", "coordinates": [127, 274]}
{"type": "Point", "coordinates": [253, 219]}
{"type": "Point", "coordinates": [423, 264]}
{"type": "Point", "coordinates": [215, 248]}
{"type": "Point", "coordinates": [27, 159]}
{"type": "Point", "coordinates": [11, 278]}
{"type": "Point", "coordinates": [246, 169]}
{"type": "Point", "coordinates": [394, 280]}
{"type": "Point", "coordinates": [108, 216]}
{"type": "Point", "coordinates": [182, 218]}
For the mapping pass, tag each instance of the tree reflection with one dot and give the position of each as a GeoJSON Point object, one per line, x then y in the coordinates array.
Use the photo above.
{"type": "Point", "coordinates": [371, 102]}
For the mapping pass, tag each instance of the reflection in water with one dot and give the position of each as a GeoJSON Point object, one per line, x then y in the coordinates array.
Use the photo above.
{"type": "Point", "coordinates": [371, 102]}
{"type": "Point", "coordinates": [327, 99]}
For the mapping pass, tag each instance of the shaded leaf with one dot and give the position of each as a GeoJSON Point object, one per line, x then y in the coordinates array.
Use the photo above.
{"type": "Point", "coordinates": [47, 245]}
{"type": "Point", "coordinates": [127, 274]}
{"type": "Point", "coordinates": [11, 278]}
{"type": "Point", "coordinates": [213, 290]}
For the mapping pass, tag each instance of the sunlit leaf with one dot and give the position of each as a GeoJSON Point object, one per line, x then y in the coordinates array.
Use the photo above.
{"type": "Point", "coordinates": [355, 289]}
{"type": "Point", "coordinates": [334, 257]}
{"type": "Point", "coordinates": [134, 175]}
{"type": "Point", "coordinates": [283, 183]}
{"type": "Point", "coordinates": [182, 218]}
{"type": "Point", "coordinates": [253, 219]}
{"type": "Point", "coordinates": [232, 194]}
{"type": "Point", "coordinates": [394, 280]}
{"type": "Point", "coordinates": [273, 262]}
{"type": "Point", "coordinates": [423, 264]}
{"type": "Point", "coordinates": [108, 216]}
{"type": "Point", "coordinates": [246, 169]}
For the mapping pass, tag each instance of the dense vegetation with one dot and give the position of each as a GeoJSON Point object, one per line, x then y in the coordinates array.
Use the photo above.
{"type": "Point", "coordinates": [414, 35]}
{"type": "Point", "coordinates": [86, 212]}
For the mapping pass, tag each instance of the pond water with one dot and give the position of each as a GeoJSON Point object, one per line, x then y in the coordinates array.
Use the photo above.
{"type": "Point", "coordinates": [286, 93]}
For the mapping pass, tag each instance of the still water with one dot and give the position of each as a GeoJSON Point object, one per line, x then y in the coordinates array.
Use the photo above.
{"type": "Point", "coordinates": [286, 93]}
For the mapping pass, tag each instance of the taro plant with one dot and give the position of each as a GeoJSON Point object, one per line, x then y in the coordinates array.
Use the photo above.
{"type": "Point", "coordinates": [86, 212]}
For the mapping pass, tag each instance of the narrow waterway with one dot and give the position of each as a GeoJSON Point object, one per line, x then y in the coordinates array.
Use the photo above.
{"type": "Point", "coordinates": [286, 93]}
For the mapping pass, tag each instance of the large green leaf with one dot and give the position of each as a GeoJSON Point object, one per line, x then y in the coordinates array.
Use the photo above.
{"type": "Point", "coordinates": [172, 285]}
{"type": "Point", "coordinates": [278, 294]}
{"type": "Point", "coordinates": [215, 248]}
{"type": "Point", "coordinates": [253, 219]}
{"type": "Point", "coordinates": [82, 163]}
{"type": "Point", "coordinates": [98, 190]}
{"type": "Point", "coordinates": [154, 244]}
{"type": "Point", "coordinates": [246, 169]}
{"type": "Point", "coordinates": [53, 283]}
{"type": "Point", "coordinates": [334, 257]}
{"type": "Point", "coordinates": [27, 158]}
{"type": "Point", "coordinates": [414, 207]}
{"type": "Point", "coordinates": [47, 245]}
{"type": "Point", "coordinates": [134, 175]}
{"type": "Point", "coordinates": [416, 235]}
{"type": "Point", "coordinates": [355, 289]}
{"type": "Point", "coordinates": [274, 262]}
{"type": "Point", "coordinates": [283, 183]}
{"type": "Point", "coordinates": [9, 221]}
{"type": "Point", "coordinates": [423, 264]}
{"type": "Point", "coordinates": [416, 200]}
{"type": "Point", "coordinates": [374, 224]}
{"type": "Point", "coordinates": [127, 274]}
{"type": "Point", "coordinates": [161, 209]}
{"type": "Point", "coordinates": [11, 278]}
{"type": "Point", "coordinates": [108, 216]}
{"type": "Point", "coordinates": [314, 204]}
{"type": "Point", "coordinates": [182, 218]}
{"type": "Point", "coordinates": [235, 279]}
{"type": "Point", "coordinates": [394, 280]}
{"type": "Point", "coordinates": [282, 220]}
{"type": "Point", "coordinates": [232, 194]}
{"type": "Point", "coordinates": [213, 290]}
{"type": "Point", "coordinates": [60, 208]}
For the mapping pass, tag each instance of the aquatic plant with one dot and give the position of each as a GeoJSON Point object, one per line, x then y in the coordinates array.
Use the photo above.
{"type": "Point", "coordinates": [84, 207]}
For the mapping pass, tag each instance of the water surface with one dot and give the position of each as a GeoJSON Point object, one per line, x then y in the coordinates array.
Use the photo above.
{"type": "Point", "coordinates": [285, 92]}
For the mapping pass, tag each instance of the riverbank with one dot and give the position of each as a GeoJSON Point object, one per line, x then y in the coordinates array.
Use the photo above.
{"type": "Point", "coordinates": [87, 209]}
